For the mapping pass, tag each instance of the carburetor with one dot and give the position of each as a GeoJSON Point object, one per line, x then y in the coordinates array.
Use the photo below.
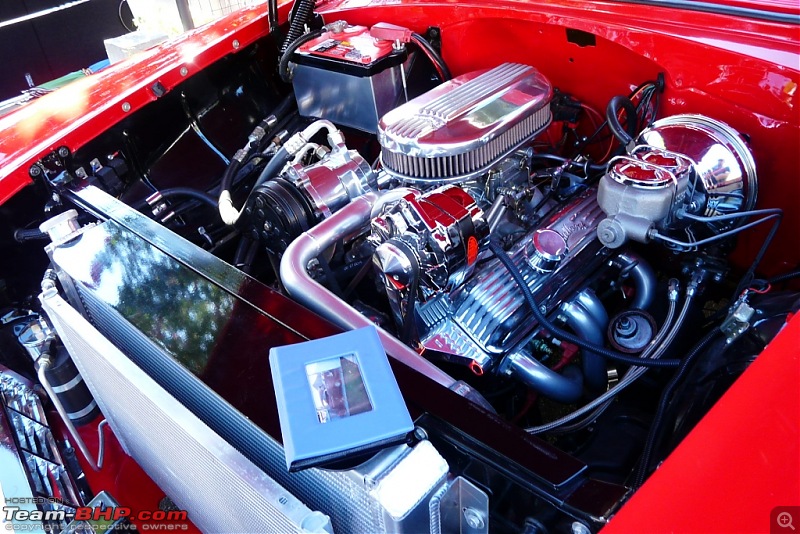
{"type": "Point", "coordinates": [426, 244]}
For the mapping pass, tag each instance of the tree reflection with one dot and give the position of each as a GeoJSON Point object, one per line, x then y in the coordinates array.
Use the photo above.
{"type": "Point", "coordinates": [176, 308]}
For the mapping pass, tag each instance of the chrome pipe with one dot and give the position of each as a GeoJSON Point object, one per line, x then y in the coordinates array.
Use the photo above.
{"type": "Point", "coordinates": [307, 291]}
{"type": "Point", "coordinates": [563, 387]}
{"type": "Point", "coordinates": [580, 318]}
{"type": "Point", "coordinates": [643, 276]}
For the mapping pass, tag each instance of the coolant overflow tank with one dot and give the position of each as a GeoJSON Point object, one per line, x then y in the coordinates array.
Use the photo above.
{"type": "Point", "coordinates": [348, 77]}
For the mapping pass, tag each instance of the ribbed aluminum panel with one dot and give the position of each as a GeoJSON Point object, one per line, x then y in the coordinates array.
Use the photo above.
{"type": "Point", "coordinates": [461, 128]}
{"type": "Point", "coordinates": [492, 309]}
{"type": "Point", "coordinates": [477, 91]}
{"type": "Point", "coordinates": [221, 490]}
{"type": "Point", "coordinates": [319, 489]}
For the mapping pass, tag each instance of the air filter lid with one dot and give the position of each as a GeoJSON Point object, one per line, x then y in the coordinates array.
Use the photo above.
{"type": "Point", "coordinates": [462, 127]}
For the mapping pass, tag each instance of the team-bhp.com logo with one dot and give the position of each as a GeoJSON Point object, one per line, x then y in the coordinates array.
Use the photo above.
{"type": "Point", "coordinates": [18, 519]}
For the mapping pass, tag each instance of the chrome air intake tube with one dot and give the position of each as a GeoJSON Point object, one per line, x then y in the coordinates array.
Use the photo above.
{"type": "Point", "coordinates": [304, 289]}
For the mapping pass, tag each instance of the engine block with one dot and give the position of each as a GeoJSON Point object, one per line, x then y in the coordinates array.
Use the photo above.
{"type": "Point", "coordinates": [487, 317]}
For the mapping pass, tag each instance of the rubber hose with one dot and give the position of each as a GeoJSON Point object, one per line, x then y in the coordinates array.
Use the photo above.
{"type": "Point", "coordinates": [658, 420]}
{"type": "Point", "coordinates": [283, 67]}
{"type": "Point", "coordinates": [23, 235]}
{"type": "Point", "coordinates": [284, 107]}
{"type": "Point", "coordinates": [273, 167]}
{"type": "Point", "coordinates": [780, 278]}
{"type": "Point", "coordinates": [433, 55]}
{"type": "Point", "coordinates": [194, 194]}
{"type": "Point", "coordinates": [303, 10]}
{"type": "Point", "coordinates": [563, 334]}
{"type": "Point", "coordinates": [227, 176]}
{"type": "Point", "coordinates": [272, 12]}
{"type": "Point", "coordinates": [626, 134]}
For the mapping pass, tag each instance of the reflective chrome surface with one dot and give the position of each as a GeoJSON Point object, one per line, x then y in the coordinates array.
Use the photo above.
{"type": "Point", "coordinates": [32, 469]}
{"type": "Point", "coordinates": [302, 287]}
{"type": "Point", "coordinates": [549, 248]}
{"type": "Point", "coordinates": [460, 128]}
{"type": "Point", "coordinates": [725, 167]}
{"type": "Point", "coordinates": [489, 315]}
{"type": "Point", "coordinates": [173, 445]}
{"type": "Point", "coordinates": [330, 184]}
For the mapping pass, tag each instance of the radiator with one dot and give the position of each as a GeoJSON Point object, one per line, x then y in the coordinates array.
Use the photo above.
{"type": "Point", "coordinates": [221, 490]}
{"type": "Point", "coordinates": [223, 465]}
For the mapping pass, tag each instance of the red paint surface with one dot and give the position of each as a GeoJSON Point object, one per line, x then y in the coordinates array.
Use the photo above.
{"type": "Point", "coordinates": [120, 476]}
{"type": "Point", "coordinates": [743, 72]}
{"type": "Point", "coordinates": [743, 458]}
{"type": "Point", "coordinates": [739, 463]}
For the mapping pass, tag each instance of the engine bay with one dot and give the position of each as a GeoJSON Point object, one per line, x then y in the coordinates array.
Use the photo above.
{"type": "Point", "coordinates": [569, 270]}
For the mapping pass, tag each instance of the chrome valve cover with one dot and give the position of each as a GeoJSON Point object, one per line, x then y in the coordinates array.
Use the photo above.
{"type": "Point", "coordinates": [487, 316]}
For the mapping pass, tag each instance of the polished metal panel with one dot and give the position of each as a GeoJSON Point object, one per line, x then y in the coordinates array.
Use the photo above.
{"type": "Point", "coordinates": [462, 127]}
{"type": "Point", "coordinates": [446, 341]}
{"type": "Point", "coordinates": [492, 310]}
{"type": "Point", "coordinates": [684, 164]}
{"type": "Point", "coordinates": [641, 191]}
{"type": "Point", "coordinates": [464, 508]}
{"type": "Point", "coordinates": [333, 182]}
{"type": "Point", "coordinates": [139, 284]}
{"type": "Point", "coordinates": [405, 480]}
{"type": "Point", "coordinates": [722, 160]}
{"type": "Point", "coordinates": [306, 290]}
{"type": "Point", "coordinates": [344, 99]}
{"type": "Point", "coordinates": [425, 244]}
{"type": "Point", "coordinates": [172, 445]}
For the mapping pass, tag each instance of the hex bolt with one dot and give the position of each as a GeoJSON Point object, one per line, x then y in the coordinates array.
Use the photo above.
{"type": "Point", "coordinates": [474, 518]}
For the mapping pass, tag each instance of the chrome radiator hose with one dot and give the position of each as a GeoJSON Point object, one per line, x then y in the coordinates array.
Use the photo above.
{"type": "Point", "coordinates": [307, 291]}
